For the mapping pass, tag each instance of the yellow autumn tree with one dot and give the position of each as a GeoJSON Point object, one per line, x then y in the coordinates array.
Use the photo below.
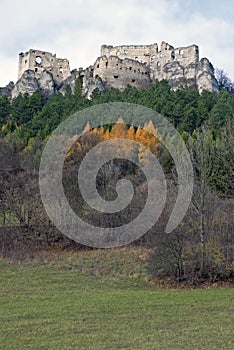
{"type": "Point", "coordinates": [148, 138]}
{"type": "Point", "coordinates": [86, 141]}
{"type": "Point", "coordinates": [119, 129]}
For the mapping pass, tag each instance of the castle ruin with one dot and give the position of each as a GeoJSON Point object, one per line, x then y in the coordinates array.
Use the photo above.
{"type": "Point", "coordinates": [138, 65]}
{"type": "Point", "coordinates": [38, 61]}
{"type": "Point", "coordinates": [117, 67]}
{"type": "Point", "coordinates": [119, 73]}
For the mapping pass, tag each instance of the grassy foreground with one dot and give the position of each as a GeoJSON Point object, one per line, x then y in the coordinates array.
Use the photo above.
{"type": "Point", "coordinates": [56, 305]}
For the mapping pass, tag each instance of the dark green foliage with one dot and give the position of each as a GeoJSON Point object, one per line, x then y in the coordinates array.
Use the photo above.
{"type": "Point", "coordinates": [223, 109]}
{"type": "Point", "coordinates": [4, 109]}
{"type": "Point", "coordinates": [30, 117]}
{"type": "Point", "coordinates": [25, 107]}
{"type": "Point", "coordinates": [222, 177]}
{"type": "Point", "coordinates": [185, 108]}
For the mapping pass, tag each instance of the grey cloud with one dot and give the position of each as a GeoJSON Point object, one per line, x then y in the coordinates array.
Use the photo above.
{"type": "Point", "coordinates": [76, 29]}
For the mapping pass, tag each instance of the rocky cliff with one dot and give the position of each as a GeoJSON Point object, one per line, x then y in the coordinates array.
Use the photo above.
{"type": "Point", "coordinates": [28, 83]}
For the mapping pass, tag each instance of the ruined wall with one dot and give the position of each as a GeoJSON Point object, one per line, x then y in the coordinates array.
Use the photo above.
{"type": "Point", "coordinates": [179, 58]}
{"type": "Point", "coordinates": [176, 65]}
{"type": "Point", "coordinates": [141, 53]}
{"type": "Point", "coordinates": [151, 56]}
{"type": "Point", "coordinates": [118, 73]}
{"type": "Point", "coordinates": [179, 65]}
{"type": "Point", "coordinates": [38, 61]}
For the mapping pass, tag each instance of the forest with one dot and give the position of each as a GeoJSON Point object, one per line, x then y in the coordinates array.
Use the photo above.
{"type": "Point", "coordinates": [200, 249]}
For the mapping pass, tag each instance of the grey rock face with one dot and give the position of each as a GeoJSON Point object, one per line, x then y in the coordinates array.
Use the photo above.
{"type": "Point", "coordinates": [69, 82]}
{"type": "Point", "coordinates": [46, 83]}
{"type": "Point", "coordinates": [205, 76]}
{"type": "Point", "coordinates": [6, 91]}
{"type": "Point", "coordinates": [91, 82]}
{"type": "Point", "coordinates": [174, 73]}
{"type": "Point", "coordinates": [26, 84]}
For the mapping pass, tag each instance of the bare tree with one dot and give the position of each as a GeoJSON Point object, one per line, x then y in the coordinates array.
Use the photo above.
{"type": "Point", "coordinates": [202, 154]}
{"type": "Point", "coordinates": [224, 82]}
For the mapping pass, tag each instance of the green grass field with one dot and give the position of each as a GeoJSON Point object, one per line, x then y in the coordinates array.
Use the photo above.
{"type": "Point", "coordinates": [56, 304]}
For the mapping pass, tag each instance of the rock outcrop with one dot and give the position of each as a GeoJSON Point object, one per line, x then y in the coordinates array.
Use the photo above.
{"type": "Point", "coordinates": [205, 76]}
{"type": "Point", "coordinates": [28, 83]}
{"type": "Point", "coordinates": [47, 84]}
{"type": "Point", "coordinates": [6, 91]}
{"type": "Point", "coordinates": [69, 82]}
{"type": "Point", "coordinates": [91, 82]}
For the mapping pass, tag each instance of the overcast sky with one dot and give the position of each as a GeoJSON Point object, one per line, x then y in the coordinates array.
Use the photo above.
{"type": "Point", "coordinates": [75, 29]}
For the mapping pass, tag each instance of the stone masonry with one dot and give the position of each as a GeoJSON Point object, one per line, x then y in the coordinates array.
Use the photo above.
{"type": "Point", "coordinates": [118, 73]}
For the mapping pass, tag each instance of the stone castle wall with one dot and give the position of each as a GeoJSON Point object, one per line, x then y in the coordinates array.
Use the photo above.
{"type": "Point", "coordinates": [118, 73]}
{"type": "Point", "coordinates": [119, 66]}
{"type": "Point", "coordinates": [152, 56]}
{"type": "Point", "coordinates": [38, 61]}
{"type": "Point", "coordinates": [140, 53]}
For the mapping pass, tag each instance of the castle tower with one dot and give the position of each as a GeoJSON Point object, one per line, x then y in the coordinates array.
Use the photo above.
{"type": "Point", "coordinates": [38, 61]}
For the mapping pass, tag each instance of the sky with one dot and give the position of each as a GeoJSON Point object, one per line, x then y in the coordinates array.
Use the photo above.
{"type": "Point", "coordinates": [76, 29]}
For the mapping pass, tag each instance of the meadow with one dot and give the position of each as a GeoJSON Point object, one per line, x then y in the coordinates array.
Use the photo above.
{"type": "Point", "coordinates": [95, 300]}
